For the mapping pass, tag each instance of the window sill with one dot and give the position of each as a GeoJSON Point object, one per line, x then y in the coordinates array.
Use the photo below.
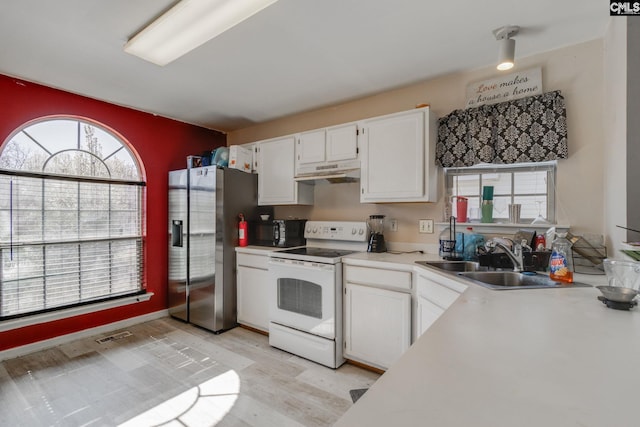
{"type": "Point", "coordinates": [37, 319]}
{"type": "Point", "coordinates": [497, 228]}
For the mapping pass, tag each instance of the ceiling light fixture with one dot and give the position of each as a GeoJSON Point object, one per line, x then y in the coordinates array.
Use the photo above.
{"type": "Point", "coordinates": [189, 24]}
{"type": "Point", "coordinates": [507, 50]}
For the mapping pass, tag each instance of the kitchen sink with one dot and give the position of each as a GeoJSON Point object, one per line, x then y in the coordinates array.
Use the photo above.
{"type": "Point", "coordinates": [514, 280]}
{"type": "Point", "coordinates": [453, 266]}
{"type": "Point", "coordinates": [473, 272]}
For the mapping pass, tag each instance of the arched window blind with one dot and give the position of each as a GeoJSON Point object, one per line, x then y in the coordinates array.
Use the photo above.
{"type": "Point", "coordinates": [71, 217]}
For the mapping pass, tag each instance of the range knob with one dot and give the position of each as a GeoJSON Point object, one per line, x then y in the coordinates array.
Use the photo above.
{"type": "Point", "coordinates": [354, 230]}
{"type": "Point", "coordinates": [315, 230]}
{"type": "Point", "coordinates": [308, 229]}
{"type": "Point", "coordinates": [361, 231]}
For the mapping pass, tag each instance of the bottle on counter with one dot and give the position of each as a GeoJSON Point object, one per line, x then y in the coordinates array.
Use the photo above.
{"type": "Point", "coordinates": [561, 261]}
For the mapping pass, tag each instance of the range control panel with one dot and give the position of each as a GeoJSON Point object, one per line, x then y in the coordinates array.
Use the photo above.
{"type": "Point", "coordinates": [353, 231]}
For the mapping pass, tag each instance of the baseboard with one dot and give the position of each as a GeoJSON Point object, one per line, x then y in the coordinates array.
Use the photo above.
{"type": "Point", "coordinates": [365, 366]}
{"type": "Point", "coordinates": [63, 339]}
{"type": "Point", "coordinates": [252, 329]}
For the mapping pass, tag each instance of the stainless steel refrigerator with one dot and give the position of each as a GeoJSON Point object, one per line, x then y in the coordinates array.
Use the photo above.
{"type": "Point", "coordinates": [204, 204]}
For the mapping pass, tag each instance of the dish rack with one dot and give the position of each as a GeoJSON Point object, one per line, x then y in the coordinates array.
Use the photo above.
{"type": "Point", "coordinates": [588, 253]}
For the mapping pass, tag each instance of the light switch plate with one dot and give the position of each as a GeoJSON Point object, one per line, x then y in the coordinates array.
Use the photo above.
{"type": "Point", "coordinates": [393, 225]}
{"type": "Point", "coordinates": [426, 226]}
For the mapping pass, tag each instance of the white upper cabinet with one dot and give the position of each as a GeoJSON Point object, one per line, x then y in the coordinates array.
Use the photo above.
{"type": "Point", "coordinates": [276, 167]}
{"type": "Point", "coordinates": [333, 144]}
{"type": "Point", "coordinates": [342, 142]}
{"type": "Point", "coordinates": [311, 147]}
{"type": "Point", "coordinates": [398, 158]}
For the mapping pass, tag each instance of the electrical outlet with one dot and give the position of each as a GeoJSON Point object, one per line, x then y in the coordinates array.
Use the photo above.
{"type": "Point", "coordinates": [426, 226]}
{"type": "Point", "coordinates": [393, 225]}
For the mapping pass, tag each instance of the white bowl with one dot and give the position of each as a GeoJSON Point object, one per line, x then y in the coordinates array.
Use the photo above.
{"type": "Point", "coordinates": [264, 217]}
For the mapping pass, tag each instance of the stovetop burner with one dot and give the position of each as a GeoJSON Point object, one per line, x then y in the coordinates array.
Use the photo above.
{"type": "Point", "coordinates": [617, 305]}
{"type": "Point", "coordinates": [318, 252]}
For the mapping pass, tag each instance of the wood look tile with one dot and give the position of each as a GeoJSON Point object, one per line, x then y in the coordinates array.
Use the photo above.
{"type": "Point", "coordinates": [174, 374]}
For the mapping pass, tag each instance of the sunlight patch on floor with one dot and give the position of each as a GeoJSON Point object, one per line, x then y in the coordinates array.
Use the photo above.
{"type": "Point", "coordinates": [203, 405]}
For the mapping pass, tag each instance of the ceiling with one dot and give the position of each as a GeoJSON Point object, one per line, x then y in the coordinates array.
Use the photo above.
{"type": "Point", "coordinates": [294, 56]}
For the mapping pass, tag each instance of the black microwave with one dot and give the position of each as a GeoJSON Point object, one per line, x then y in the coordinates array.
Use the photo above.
{"type": "Point", "coordinates": [282, 233]}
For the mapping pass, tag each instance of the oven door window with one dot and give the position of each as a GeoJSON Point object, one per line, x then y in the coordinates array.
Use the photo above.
{"type": "Point", "coordinates": [300, 296]}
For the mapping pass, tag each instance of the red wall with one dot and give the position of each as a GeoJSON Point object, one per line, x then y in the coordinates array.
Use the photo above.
{"type": "Point", "coordinates": [162, 145]}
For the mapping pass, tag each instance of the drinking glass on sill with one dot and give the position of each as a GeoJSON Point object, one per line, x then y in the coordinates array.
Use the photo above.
{"type": "Point", "coordinates": [514, 213]}
{"type": "Point", "coordinates": [474, 214]}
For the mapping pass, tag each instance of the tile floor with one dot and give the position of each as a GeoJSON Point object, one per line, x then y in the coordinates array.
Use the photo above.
{"type": "Point", "coordinates": [168, 373]}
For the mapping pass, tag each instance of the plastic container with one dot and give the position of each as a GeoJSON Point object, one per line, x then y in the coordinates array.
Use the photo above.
{"type": "Point", "coordinates": [472, 241]}
{"type": "Point", "coordinates": [622, 273]}
{"type": "Point", "coordinates": [561, 261]}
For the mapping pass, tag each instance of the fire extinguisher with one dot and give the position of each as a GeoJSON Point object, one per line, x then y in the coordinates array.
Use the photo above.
{"type": "Point", "coordinates": [243, 231]}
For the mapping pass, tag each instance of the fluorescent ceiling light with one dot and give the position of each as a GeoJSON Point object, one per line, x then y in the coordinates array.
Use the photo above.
{"type": "Point", "coordinates": [189, 24]}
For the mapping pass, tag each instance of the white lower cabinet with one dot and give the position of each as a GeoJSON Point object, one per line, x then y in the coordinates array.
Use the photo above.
{"type": "Point", "coordinates": [377, 315]}
{"type": "Point", "coordinates": [434, 294]}
{"type": "Point", "coordinates": [426, 314]}
{"type": "Point", "coordinates": [253, 290]}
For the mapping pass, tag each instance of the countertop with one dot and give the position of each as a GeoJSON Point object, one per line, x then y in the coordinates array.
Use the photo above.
{"type": "Point", "coordinates": [541, 357]}
{"type": "Point", "coordinates": [258, 250]}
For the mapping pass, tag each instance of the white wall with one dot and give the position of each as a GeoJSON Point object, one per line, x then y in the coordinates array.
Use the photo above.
{"type": "Point", "coordinates": [575, 70]}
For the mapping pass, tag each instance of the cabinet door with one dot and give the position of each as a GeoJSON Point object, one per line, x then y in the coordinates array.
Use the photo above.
{"type": "Point", "coordinates": [253, 297]}
{"type": "Point", "coordinates": [433, 298]}
{"type": "Point", "coordinates": [276, 163]}
{"type": "Point", "coordinates": [342, 142]}
{"type": "Point", "coordinates": [377, 324]}
{"type": "Point", "coordinates": [427, 314]}
{"type": "Point", "coordinates": [311, 147]}
{"type": "Point", "coordinates": [393, 158]}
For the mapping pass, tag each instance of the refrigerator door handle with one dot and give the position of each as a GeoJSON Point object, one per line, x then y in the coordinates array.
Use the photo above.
{"type": "Point", "coordinates": [176, 233]}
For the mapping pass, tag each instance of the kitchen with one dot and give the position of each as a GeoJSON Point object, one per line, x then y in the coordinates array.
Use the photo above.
{"type": "Point", "coordinates": [592, 98]}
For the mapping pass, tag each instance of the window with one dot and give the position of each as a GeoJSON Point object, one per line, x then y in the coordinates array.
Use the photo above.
{"type": "Point", "coordinates": [71, 217]}
{"type": "Point", "coordinates": [530, 184]}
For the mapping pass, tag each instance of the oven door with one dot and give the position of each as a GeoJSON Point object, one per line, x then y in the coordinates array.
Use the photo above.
{"type": "Point", "coordinates": [304, 296]}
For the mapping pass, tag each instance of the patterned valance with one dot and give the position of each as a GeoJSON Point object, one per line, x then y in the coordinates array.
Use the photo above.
{"type": "Point", "coordinates": [531, 129]}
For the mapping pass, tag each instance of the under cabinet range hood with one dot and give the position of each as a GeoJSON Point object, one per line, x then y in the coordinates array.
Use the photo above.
{"type": "Point", "coordinates": [330, 172]}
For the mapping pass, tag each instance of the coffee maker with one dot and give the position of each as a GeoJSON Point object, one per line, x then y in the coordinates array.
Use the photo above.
{"type": "Point", "coordinates": [375, 223]}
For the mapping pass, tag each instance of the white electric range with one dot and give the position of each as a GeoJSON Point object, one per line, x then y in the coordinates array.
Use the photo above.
{"type": "Point", "coordinates": [306, 303]}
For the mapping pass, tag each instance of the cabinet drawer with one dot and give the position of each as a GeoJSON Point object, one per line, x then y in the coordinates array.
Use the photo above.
{"type": "Point", "coordinates": [378, 277]}
{"type": "Point", "coordinates": [251, 260]}
{"type": "Point", "coordinates": [435, 293]}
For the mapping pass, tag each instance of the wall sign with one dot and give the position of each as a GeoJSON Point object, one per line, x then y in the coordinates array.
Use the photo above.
{"type": "Point", "coordinates": [505, 88]}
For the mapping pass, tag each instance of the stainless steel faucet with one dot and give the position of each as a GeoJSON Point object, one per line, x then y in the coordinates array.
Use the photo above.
{"type": "Point", "coordinates": [515, 256]}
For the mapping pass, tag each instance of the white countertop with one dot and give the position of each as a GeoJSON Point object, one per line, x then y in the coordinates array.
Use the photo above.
{"type": "Point", "coordinates": [257, 250]}
{"type": "Point", "coordinates": [541, 357]}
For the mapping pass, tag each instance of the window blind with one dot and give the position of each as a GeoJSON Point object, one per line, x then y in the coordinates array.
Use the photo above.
{"type": "Point", "coordinates": [67, 240]}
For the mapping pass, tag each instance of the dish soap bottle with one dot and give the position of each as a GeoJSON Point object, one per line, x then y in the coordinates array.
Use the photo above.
{"type": "Point", "coordinates": [561, 261]}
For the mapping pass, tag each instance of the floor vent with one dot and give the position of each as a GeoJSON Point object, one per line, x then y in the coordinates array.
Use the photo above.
{"type": "Point", "coordinates": [114, 337]}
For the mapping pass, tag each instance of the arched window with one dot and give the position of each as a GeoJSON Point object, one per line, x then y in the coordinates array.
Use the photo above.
{"type": "Point", "coordinates": [71, 217]}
